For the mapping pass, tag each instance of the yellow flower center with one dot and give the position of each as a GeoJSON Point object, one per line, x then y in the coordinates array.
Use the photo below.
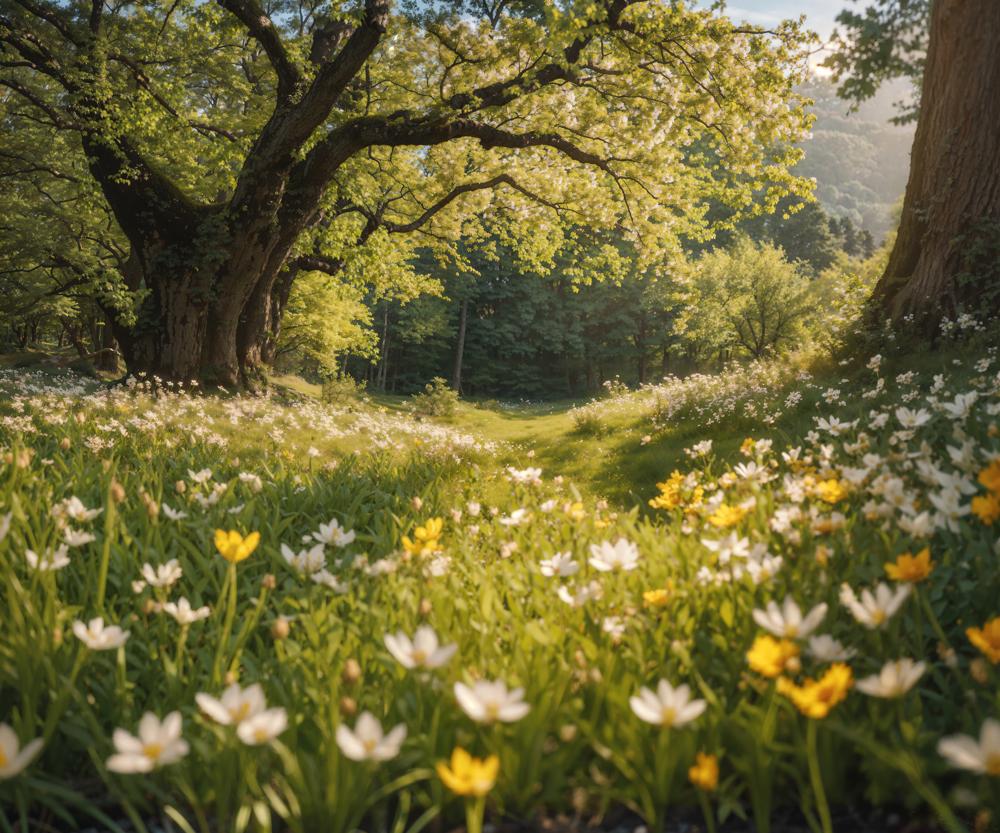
{"type": "Point", "coordinates": [878, 616]}
{"type": "Point", "coordinates": [152, 750]}
{"type": "Point", "coordinates": [668, 715]}
{"type": "Point", "coordinates": [240, 712]}
{"type": "Point", "coordinates": [3, 759]}
{"type": "Point", "coordinates": [419, 657]}
{"type": "Point", "coordinates": [993, 764]}
{"type": "Point", "coordinates": [492, 711]}
{"type": "Point", "coordinates": [369, 745]}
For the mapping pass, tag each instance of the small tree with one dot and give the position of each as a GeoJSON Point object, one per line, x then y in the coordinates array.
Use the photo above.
{"type": "Point", "coordinates": [748, 298]}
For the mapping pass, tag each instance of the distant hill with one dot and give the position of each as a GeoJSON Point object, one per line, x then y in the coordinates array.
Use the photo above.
{"type": "Point", "coordinates": [860, 161]}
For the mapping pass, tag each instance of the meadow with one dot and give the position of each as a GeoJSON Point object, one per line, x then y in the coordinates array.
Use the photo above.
{"type": "Point", "coordinates": [765, 599]}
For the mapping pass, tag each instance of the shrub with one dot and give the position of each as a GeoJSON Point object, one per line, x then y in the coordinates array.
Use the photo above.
{"type": "Point", "coordinates": [436, 400]}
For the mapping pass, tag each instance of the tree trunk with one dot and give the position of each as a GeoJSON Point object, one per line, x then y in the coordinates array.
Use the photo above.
{"type": "Point", "coordinates": [950, 225]}
{"type": "Point", "coordinates": [456, 379]}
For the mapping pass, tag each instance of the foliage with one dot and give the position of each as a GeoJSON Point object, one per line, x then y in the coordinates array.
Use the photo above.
{"type": "Point", "coordinates": [437, 399]}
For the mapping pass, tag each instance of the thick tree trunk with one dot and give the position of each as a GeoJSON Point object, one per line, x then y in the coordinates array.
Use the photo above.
{"type": "Point", "coordinates": [951, 210]}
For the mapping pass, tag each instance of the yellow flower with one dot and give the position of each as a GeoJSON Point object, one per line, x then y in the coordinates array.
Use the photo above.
{"type": "Point", "coordinates": [468, 775]}
{"type": "Point", "coordinates": [771, 657]}
{"type": "Point", "coordinates": [234, 547]}
{"type": "Point", "coordinates": [990, 476]}
{"type": "Point", "coordinates": [725, 516]}
{"type": "Point", "coordinates": [830, 491]}
{"type": "Point", "coordinates": [815, 698]}
{"type": "Point", "coordinates": [425, 538]}
{"type": "Point", "coordinates": [575, 511]}
{"type": "Point", "coordinates": [987, 639]}
{"type": "Point", "coordinates": [987, 507]}
{"type": "Point", "coordinates": [912, 568]}
{"type": "Point", "coordinates": [747, 446]}
{"type": "Point", "coordinates": [656, 598]}
{"type": "Point", "coordinates": [705, 772]}
{"type": "Point", "coordinates": [670, 492]}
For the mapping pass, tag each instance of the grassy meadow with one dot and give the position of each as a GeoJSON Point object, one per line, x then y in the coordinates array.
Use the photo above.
{"type": "Point", "coordinates": [764, 599]}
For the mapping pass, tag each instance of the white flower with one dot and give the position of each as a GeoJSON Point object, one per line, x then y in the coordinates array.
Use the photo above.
{"type": "Point", "coordinates": [518, 517]}
{"type": "Point", "coordinates": [582, 595]}
{"type": "Point", "coordinates": [528, 475]}
{"type": "Point", "coordinates": [99, 637]}
{"type": "Point", "coordinates": [613, 625]}
{"type": "Point", "coordinates": [981, 756]}
{"type": "Point", "coordinates": [74, 509]}
{"type": "Point", "coordinates": [163, 575]}
{"type": "Point", "coordinates": [202, 476]}
{"type": "Point", "coordinates": [668, 706]}
{"type": "Point", "coordinates": [252, 480]}
{"type": "Point", "coordinates": [561, 564]}
{"type": "Point", "coordinates": [173, 514]}
{"type": "Point", "coordinates": [235, 705]}
{"type": "Point", "coordinates": [825, 649]}
{"type": "Point", "coordinates": [305, 561]}
{"type": "Point", "coordinates": [184, 613]}
{"type": "Point", "coordinates": [423, 651]}
{"type": "Point", "coordinates": [262, 727]}
{"type": "Point", "coordinates": [485, 701]}
{"type": "Point", "coordinates": [158, 743]}
{"type": "Point", "coordinates": [787, 621]}
{"type": "Point", "coordinates": [77, 537]}
{"type": "Point", "coordinates": [912, 419]}
{"type": "Point", "coordinates": [874, 610]}
{"type": "Point", "coordinates": [894, 680]}
{"type": "Point", "coordinates": [728, 547]}
{"type": "Point", "coordinates": [621, 555]}
{"type": "Point", "coordinates": [333, 534]}
{"type": "Point", "coordinates": [328, 579]}
{"type": "Point", "coordinates": [49, 560]}
{"type": "Point", "coordinates": [367, 741]}
{"type": "Point", "coordinates": [13, 759]}
{"type": "Point", "coordinates": [5, 524]}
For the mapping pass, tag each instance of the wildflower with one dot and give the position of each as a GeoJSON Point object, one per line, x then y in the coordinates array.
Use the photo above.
{"type": "Point", "coordinates": [746, 447]}
{"type": "Point", "coordinates": [728, 547]}
{"type": "Point", "coordinates": [726, 516]}
{"type": "Point", "coordinates": [182, 611]}
{"type": "Point", "coordinates": [98, 637]}
{"type": "Point", "coordinates": [874, 610]}
{"type": "Point", "coordinates": [705, 772]}
{"type": "Point", "coordinates": [788, 621]}
{"type": "Point", "coordinates": [827, 649]}
{"type": "Point", "coordinates": [426, 538]}
{"type": "Point", "coordinates": [987, 639]}
{"type": "Point", "coordinates": [815, 698]}
{"type": "Point", "coordinates": [173, 514]}
{"type": "Point", "coordinates": [771, 657]}
{"type": "Point", "coordinates": [235, 705]}
{"type": "Point", "coordinates": [560, 564]}
{"type": "Point", "coordinates": [911, 568]}
{"type": "Point", "coordinates": [894, 680]}
{"type": "Point", "coordinates": [262, 727]}
{"type": "Point", "coordinates": [163, 575]}
{"type": "Point", "coordinates": [621, 555]}
{"type": "Point", "coordinates": [14, 759]}
{"type": "Point", "coordinates": [982, 756]}
{"type": "Point", "coordinates": [485, 701]}
{"type": "Point", "coordinates": [309, 561]}
{"type": "Point", "coordinates": [659, 597]}
{"type": "Point", "coordinates": [466, 775]}
{"type": "Point", "coordinates": [518, 517]}
{"type": "Point", "coordinates": [234, 547]}
{"type": "Point", "coordinates": [423, 651]}
{"type": "Point", "coordinates": [157, 744]}
{"type": "Point", "coordinates": [987, 507]}
{"type": "Point", "coordinates": [582, 595]}
{"type": "Point", "coordinates": [74, 509]}
{"type": "Point", "coordinates": [367, 741]}
{"type": "Point", "coordinates": [200, 477]}
{"type": "Point", "coordinates": [830, 491]}
{"type": "Point", "coordinates": [334, 534]}
{"type": "Point", "coordinates": [77, 537]}
{"type": "Point", "coordinates": [613, 625]}
{"type": "Point", "coordinates": [48, 561]}
{"type": "Point", "coordinates": [669, 707]}
{"type": "Point", "coordinates": [990, 476]}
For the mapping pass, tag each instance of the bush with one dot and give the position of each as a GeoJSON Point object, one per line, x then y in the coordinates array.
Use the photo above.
{"type": "Point", "coordinates": [436, 400]}
{"type": "Point", "coordinates": [342, 389]}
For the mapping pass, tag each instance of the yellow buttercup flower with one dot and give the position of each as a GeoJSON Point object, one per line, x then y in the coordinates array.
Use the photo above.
{"type": "Point", "coordinates": [815, 698]}
{"type": "Point", "coordinates": [990, 476]}
{"type": "Point", "coordinates": [575, 511]}
{"type": "Point", "coordinates": [771, 657]}
{"type": "Point", "coordinates": [911, 568]}
{"type": "Point", "coordinates": [987, 507]}
{"type": "Point", "coordinates": [987, 639]}
{"type": "Point", "coordinates": [705, 772]}
{"type": "Point", "coordinates": [234, 547]}
{"type": "Point", "coordinates": [659, 597]}
{"type": "Point", "coordinates": [426, 538]}
{"type": "Point", "coordinates": [725, 516]}
{"type": "Point", "coordinates": [468, 775]}
{"type": "Point", "coordinates": [747, 446]}
{"type": "Point", "coordinates": [830, 491]}
{"type": "Point", "coordinates": [672, 493]}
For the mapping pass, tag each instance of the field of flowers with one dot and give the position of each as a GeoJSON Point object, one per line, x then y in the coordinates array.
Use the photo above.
{"type": "Point", "coordinates": [254, 614]}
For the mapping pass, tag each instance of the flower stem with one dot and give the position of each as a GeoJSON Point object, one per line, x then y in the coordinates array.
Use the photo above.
{"type": "Point", "coordinates": [816, 779]}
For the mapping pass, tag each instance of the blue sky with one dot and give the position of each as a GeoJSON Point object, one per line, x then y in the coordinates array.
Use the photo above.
{"type": "Point", "coordinates": [820, 13]}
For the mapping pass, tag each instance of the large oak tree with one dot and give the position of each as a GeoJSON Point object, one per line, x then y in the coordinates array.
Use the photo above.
{"type": "Point", "coordinates": [238, 144]}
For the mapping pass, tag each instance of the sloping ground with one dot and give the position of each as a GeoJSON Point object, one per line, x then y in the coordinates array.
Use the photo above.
{"type": "Point", "coordinates": [801, 632]}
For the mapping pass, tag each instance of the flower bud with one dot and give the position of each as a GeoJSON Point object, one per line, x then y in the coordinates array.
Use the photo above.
{"type": "Point", "coordinates": [416, 503]}
{"type": "Point", "coordinates": [180, 487]}
{"type": "Point", "coordinates": [348, 706]}
{"type": "Point", "coordinates": [281, 628]}
{"type": "Point", "coordinates": [65, 443]}
{"type": "Point", "coordinates": [426, 608]}
{"type": "Point", "coordinates": [117, 491]}
{"type": "Point", "coordinates": [269, 582]}
{"type": "Point", "coordinates": [352, 672]}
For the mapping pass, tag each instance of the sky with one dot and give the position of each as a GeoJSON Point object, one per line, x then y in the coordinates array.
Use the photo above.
{"type": "Point", "coordinates": [820, 14]}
